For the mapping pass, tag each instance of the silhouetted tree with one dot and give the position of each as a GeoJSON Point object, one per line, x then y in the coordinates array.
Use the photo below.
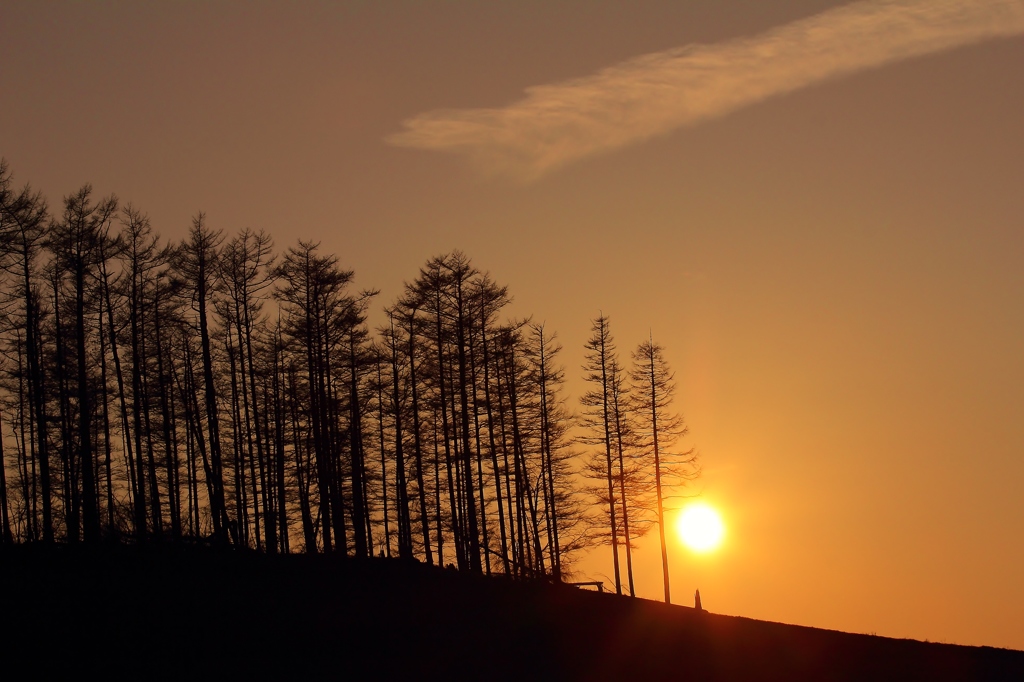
{"type": "Point", "coordinates": [654, 392]}
{"type": "Point", "coordinates": [197, 264]}
{"type": "Point", "coordinates": [74, 241]}
{"type": "Point", "coordinates": [599, 420]}
{"type": "Point", "coordinates": [23, 223]}
{"type": "Point", "coordinates": [146, 394]}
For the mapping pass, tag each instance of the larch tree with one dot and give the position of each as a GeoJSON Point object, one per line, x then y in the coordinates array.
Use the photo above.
{"type": "Point", "coordinates": [74, 241]}
{"type": "Point", "coordinates": [654, 392]}
{"type": "Point", "coordinates": [598, 421]}
{"type": "Point", "coordinates": [23, 226]}
{"type": "Point", "coordinates": [197, 264]}
{"type": "Point", "coordinates": [144, 394]}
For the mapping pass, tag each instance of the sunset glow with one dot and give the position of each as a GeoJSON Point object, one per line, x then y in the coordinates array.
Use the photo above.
{"type": "Point", "coordinates": [700, 528]}
{"type": "Point", "coordinates": [650, 297]}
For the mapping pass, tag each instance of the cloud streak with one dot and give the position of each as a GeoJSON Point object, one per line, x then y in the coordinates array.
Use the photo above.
{"type": "Point", "coordinates": [653, 94]}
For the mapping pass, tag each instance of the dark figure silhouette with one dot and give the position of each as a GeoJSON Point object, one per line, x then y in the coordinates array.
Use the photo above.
{"type": "Point", "coordinates": [696, 601]}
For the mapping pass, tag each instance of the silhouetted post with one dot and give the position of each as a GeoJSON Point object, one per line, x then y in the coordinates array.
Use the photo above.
{"type": "Point", "coordinates": [696, 601]}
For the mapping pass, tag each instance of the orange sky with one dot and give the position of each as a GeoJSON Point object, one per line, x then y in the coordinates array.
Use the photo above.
{"type": "Point", "coordinates": [835, 272]}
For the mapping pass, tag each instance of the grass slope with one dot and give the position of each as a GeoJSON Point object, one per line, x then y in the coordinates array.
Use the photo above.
{"type": "Point", "coordinates": [200, 614]}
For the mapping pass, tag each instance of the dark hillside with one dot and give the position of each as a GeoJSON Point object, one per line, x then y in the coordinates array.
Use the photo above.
{"type": "Point", "coordinates": [199, 613]}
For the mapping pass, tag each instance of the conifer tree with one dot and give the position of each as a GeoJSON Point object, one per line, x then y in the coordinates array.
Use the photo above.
{"type": "Point", "coordinates": [599, 422]}
{"type": "Point", "coordinates": [654, 391]}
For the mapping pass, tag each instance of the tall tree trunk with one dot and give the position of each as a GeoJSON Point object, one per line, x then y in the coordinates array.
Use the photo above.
{"type": "Point", "coordinates": [269, 523]}
{"type": "Point", "coordinates": [170, 456]}
{"type": "Point", "coordinates": [218, 505]}
{"type": "Point", "coordinates": [126, 434]}
{"type": "Point", "coordinates": [522, 473]}
{"type": "Point", "coordinates": [106, 425]}
{"type": "Point", "coordinates": [514, 522]}
{"type": "Point", "coordinates": [156, 507]}
{"type": "Point", "coordinates": [490, 433]}
{"type": "Point", "coordinates": [317, 412]}
{"type": "Point", "coordinates": [401, 486]}
{"type": "Point", "coordinates": [356, 448]}
{"type": "Point", "coordinates": [608, 451]}
{"type": "Point", "coordinates": [417, 441]}
{"type": "Point", "coordinates": [329, 410]}
{"type": "Point", "coordinates": [238, 466]}
{"type": "Point", "coordinates": [473, 546]}
{"type": "Point", "coordinates": [545, 428]}
{"type": "Point", "coordinates": [479, 455]}
{"type": "Point", "coordinates": [37, 405]}
{"type": "Point", "coordinates": [90, 515]}
{"type": "Point", "coordinates": [383, 455]}
{"type": "Point", "coordinates": [622, 483]}
{"type": "Point", "coordinates": [69, 484]}
{"type": "Point", "coordinates": [302, 478]}
{"type": "Point", "coordinates": [5, 519]}
{"type": "Point", "coordinates": [437, 495]}
{"type": "Point", "coordinates": [459, 554]}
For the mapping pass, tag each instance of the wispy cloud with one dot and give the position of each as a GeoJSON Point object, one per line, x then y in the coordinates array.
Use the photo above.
{"type": "Point", "coordinates": [650, 95]}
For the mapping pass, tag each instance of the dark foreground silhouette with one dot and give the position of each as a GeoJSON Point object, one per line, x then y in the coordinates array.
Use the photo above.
{"type": "Point", "coordinates": [200, 613]}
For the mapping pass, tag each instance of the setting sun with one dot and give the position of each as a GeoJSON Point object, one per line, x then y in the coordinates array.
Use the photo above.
{"type": "Point", "coordinates": [700, 527]}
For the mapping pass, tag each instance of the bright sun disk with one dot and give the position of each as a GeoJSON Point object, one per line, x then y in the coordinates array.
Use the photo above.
{"type": "Point", "coordinates": [700, 527]}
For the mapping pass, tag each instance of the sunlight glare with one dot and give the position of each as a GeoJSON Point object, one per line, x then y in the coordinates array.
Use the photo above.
{"type": "Point", "coordinates": [700, 527]}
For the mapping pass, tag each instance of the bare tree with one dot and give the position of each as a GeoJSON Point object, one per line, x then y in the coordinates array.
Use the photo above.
{"type": "Point", "coordinates": [599, 420]}
{"type": "Point", "coordinates": [654, 392]}
{"type": "Point", "coordinates": [23, 223]}
{"type": "Point", "coordinates": [74, 241]}
{"type": "Point", "coordinates": [197, 265]}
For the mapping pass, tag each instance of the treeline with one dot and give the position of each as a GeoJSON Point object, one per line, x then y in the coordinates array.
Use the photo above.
{"type": "Point", "coordinates": [213, 390]}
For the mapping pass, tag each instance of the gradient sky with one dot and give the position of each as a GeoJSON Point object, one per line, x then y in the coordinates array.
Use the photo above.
{"type": "Point", "coordinates": [835, 270]}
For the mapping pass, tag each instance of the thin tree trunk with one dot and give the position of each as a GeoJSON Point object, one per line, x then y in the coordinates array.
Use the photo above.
{"type": "Point", "coordinates": [513, 522]}
{"type": "Point", "coordinates": [70, 502]}
{"type": "Point", "coordinates": [140, 473]}
{"type": "Point", "coordinates": [359, 512]}
{"type": "Point", "coordinates": [90, 515]}
{"type": "Point", "coordinates": [657, 479]}
{"type": "Point", "coordinates": [218, 504]}
{"type": "Point", "coordinates": [106, 426]}
{"type": "Point", "coordinates": [460, 557]}
{"type": "Point", "coordinates": [622, 491]}
{"type": "Point", "coordinates": [608, 453]}
{"type": "Point", "coordinates": [261, 451]}
{"type": "Point", "coordinates": [241, 502]}
{"type": "Point", "coordinates": [402, 493]}
{"type": "Point", "coordinates": [417, 444]}
{"type": "Point", "coordinates": [5, 519]}
{"type": "Point", "coordinates": [490, 433]}
{"type": "Point", "coordinates": [247, 419]}
{"type": "Point", "coordinates": [383, 456]}
{"type": "Point", "coordinates": [125, 429]}
{"type": "Point", "coordinates": [473, 546]}
{"type": "Point", "coordinates": [555, 551]}
{"type": "Point", "coordinates": [165, 413]}
{"type": "Point", "coordinates": [522, 473]}
{"type": "Point", "coordinates": [156, 508]}
{"type": "Point", "coordinates": [479, 455]}
{"type": "Point", "coordinates": [437, 496]}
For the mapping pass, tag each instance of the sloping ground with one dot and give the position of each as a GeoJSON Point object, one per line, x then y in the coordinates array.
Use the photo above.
{"type": "Point", "coordinates": [199, 613]}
